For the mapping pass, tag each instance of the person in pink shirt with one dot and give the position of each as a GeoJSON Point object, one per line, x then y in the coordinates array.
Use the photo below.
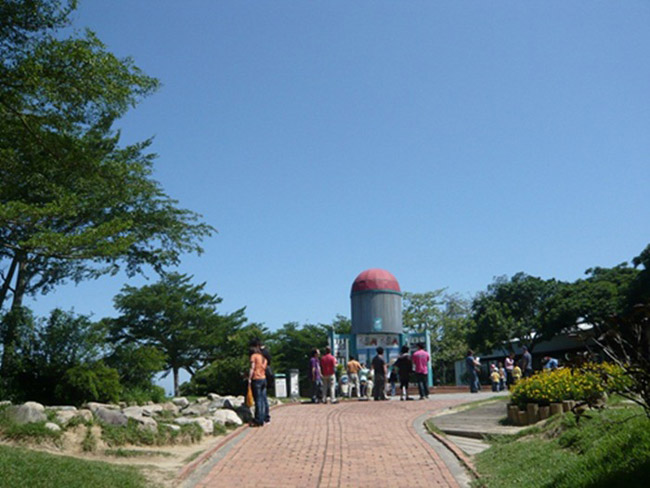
{"type": "Point", "coordinates": [421, 363]}
{"type": "Point", "coordinates": [328, 369]}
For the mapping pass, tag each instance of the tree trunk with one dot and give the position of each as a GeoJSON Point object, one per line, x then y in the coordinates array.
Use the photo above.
{"type": "Point", "coordinates": [6, 285]}
{"type": "Point", "coordinates": [175, 373]}
{"type": "Point", "coordinates": [12, 319]}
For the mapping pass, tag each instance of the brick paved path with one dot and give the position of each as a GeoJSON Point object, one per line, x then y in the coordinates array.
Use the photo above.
{"type": "Point", "coordinates": [350, 444]}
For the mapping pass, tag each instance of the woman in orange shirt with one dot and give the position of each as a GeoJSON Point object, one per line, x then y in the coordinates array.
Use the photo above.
{"type": "Point", "coordinates": [257, 381]}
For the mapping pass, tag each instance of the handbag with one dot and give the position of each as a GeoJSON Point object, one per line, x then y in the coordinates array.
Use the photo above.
{"type": "Point", "coordinates": [269, 375]}
{"type": "Point", "coordinates": [250, 401]}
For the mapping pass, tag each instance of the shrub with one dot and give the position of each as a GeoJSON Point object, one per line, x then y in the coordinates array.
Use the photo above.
{"type": "Point", "coordinates": [141, 396]}
{"type": "Point", "coordinates": [89, 382]}
{"type": "Point", "coordinates": [586, 384]}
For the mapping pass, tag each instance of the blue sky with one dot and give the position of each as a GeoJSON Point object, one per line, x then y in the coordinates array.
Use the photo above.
{"type": "Point", "coordinates": [447, 142]}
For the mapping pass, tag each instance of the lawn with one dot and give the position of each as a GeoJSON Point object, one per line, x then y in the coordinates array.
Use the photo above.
{"type": "Point", "coordinates": [610, 449]}
{"type": "Point", "coordinates": [22, 467]}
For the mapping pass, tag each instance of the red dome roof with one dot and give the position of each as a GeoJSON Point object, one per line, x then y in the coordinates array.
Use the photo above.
{"type": "Point", "coordinates": [375, 279]}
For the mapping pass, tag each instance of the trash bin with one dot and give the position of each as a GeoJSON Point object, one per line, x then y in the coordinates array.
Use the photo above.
{"type": "Point", "coordinates": [294, 388]}
{"type": "Point", "coordinates": [281, 386]}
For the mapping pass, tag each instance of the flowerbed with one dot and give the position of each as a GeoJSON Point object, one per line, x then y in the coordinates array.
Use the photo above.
{"type": "Point", "coordinates": [585, 384]}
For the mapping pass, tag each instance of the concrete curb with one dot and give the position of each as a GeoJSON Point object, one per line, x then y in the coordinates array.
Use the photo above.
{"type": "Point", "coordinates": [455, 450]}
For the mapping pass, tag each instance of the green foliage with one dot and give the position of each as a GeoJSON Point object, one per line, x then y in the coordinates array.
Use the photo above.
{"type": "Point", "coordinates": [611, 448]}
{"type": "Point", "coordinates": [445, 317]}
{"type": "Point", "coordinates": [23, 467]}
{"type": "Point", "coordinates": [136, 365]}
{"type": "Point", "coordinates": [89, 382]}
{"type": "Point", "coordinates": [177, 318]}
{"type": "Point", "coordinates": [141, 396]}
{"type": "Point", "coordinates": [586, 384]}
{"type": "Point", "coordinates": [223, 376]}
{"type": "Point", "coordinates": [133, 434]}
{"type": "Point", "coordinates": [34, 431]}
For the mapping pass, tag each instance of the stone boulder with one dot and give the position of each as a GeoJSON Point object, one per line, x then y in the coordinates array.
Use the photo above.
{"type": "Point", "coordinates": [180, 402]}
{"type": "Point", "coordinates": [196, 410]}
{"type": "Point", "coordinates": [52, 427]}
{"type": "Point", "coordinates": [233, 403]}
{"type": "Point", "coordinates": [151, 410]}
{"type": "Point", "coordinates": [93, 406]}
{"type": "Point", "coordinates": [226, 417]}
{"type": "Point", "coordinates": [27, 413]}
{"type": "Point", "coordinates": [213, 396]}
{"type": "Point", "coordinates": [110, 416]}
{"type": "Point", "coordinates": [170, 407]}
{"type": "Point", "coordinates": [137, 414]}
{"type": "Point", "coordinates": [206, 424]}
{"type": "Point", "coordinates": [216, 404]}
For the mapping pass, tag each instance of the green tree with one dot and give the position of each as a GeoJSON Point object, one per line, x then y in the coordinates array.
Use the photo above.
{"type": "Point", "coordinates": [520, 308]}
{"type": "Point", "coordinates": [445, 317]}
{"type": "Point", "coordinates": [178, 318]}
{"type": "Point", "coordinates": [74, 203]}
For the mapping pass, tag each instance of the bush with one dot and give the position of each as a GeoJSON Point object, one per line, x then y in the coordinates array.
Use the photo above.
{"type": "Point", "coordinates": [94, 382]}
{"type": "Point", "coordinates": [141, 396]}
{"type": "Point", "coordinates": [586, 384]}
{"type": "Point", "coordinates": [133, 434]}
{"type": "Point", "coordinates": [223, 376]}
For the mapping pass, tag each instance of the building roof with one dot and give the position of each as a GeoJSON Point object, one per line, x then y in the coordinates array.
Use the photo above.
{"type": "Point", "coordinates": [374, 280]}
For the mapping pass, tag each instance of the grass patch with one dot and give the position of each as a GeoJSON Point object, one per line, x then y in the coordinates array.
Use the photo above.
{"type": "Point", "coordinates": [132, 433]}
{"type": "Point", "coordinates": [22, 467]}
{"type": "Point", "coordinates": [32, 431]}
{"type": "Point", "coordinates": [193, 456]}
{"type": "Point", "coordinates": [609, 449]}
{"type": "Point", "coordinates": [129, 453]}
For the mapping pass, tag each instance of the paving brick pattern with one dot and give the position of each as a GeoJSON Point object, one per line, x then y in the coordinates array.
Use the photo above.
{"type": "Point", "coordinates": [350, 444]}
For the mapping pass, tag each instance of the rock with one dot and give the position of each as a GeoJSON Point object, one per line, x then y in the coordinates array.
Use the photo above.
{"type": "Point", "coordinates": [233, 403]}
{"type": "Point", "coordinates": [111, 417]}
{"type": "Point", "coordinates": [4, 403]}
{"type": "Point", "coordinates": [152, 409]}
{"type": "Point", "coordinates": [226, 417]}
{"type": "Point", "coordinates": [170, 407]}
{"type": "Point", "coordinates": [180, 402]}
{"type": "Point", "coordinates": [213, 396]}
{"type": "Point", "coordinates": [132, 412]}
{"type": "Point", "coordinates": [205, 424]}
{"type": "Point", "coordinates": [92, 406]}
{"type": "Point", "coordinates": [27, 413]}
{"type": "Point", "coordinates": [59, 408]}
{"type": "Point", "coordinates": [216, 404]}
{"type": "Point", "coordinates": [202, 400]}
{"type": "Point", "coordinates": [85, 414]}
{"type": "Point", "coordinates": [137, 414]}
{"type": "Point", "coordinates": [65, 416]}
{"type": "Point", "coordinates": [53, 427]}
{"type": "Point", "coordinates": [196, 410]}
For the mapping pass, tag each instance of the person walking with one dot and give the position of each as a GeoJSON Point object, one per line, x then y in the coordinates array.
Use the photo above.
{"type": "Point", "coordinates": [471, 364]}
{"type": "Point", "coordinates": [510, 364]}
{"type": "Point", "coordinates": [316, 377]}
{"type": "Point", "coordinates": [502, 377]}
{"type": "Point", "coordinates": [379, 368]}
{"type": "Point", "coordinates": [404, 369]}
{"type": "Point", "coordinates": [527, 363]}
{"type": "Point", "coordinates": [421, 361]}
{"type": "Point", "coordinates": [257, 382]}
{"type": "Point", "coordinates": [353, 369]}
{"type": "Point", "coordinates": [328, 368]}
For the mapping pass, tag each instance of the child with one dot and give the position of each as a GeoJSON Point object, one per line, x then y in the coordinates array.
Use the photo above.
{"type": "Point", "coordinates": [495, 377]}
{"type": "Point", "coordinates": [516, 374]}
{"type": "Point", "coordinates": [502, 377]}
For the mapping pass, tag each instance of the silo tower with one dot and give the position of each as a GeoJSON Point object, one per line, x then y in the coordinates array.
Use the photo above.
{"type": "Point", "coordinates": [376, 303]}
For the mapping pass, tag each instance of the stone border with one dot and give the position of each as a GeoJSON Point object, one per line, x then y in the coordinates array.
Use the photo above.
{"type": "Point", "coordinates": [455, 450]}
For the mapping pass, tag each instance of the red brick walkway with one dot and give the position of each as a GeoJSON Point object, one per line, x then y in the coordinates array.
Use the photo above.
{"type": "Point", "coordinates": [350, 444]}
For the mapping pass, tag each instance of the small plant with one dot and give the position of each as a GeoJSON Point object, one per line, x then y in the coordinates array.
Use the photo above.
{"type": "Point", "coordinates": [89, 443]}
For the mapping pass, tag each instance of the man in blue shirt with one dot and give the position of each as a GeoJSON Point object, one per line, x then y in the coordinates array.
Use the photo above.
{"type": "Point", "coordinates": [550, 363]}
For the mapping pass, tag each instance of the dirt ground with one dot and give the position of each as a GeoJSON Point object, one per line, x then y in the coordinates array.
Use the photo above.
{"type": "Point", "coordinates": [159, 464]}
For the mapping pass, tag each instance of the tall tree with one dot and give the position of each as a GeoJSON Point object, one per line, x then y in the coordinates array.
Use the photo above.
{"type": "Point", "coordinates": [178, 318]}
{"type": "Point", "coordinates": [512, 309]}
{"type": "Point", "coordinates": [74, 203]}
{"type": "Point", "coordinates": [445, 317]}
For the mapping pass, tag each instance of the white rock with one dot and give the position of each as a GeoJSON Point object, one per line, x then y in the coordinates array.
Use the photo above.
{"type": "Point", "coordinates": [173, 427]}
{"type": "Point", "coordinates": [152, 409]}
{"type": "Point", "coordinates": [60, 408]}
{"type": "Point", "coordinates": [226, 417]}
{"type": "Point", "coordinates": [180, 402]}
{"type": "Point", "coordinates": [27, 413]}
{"type": "Point", "coordinates": [65, 416]}
{"type": "Point", "coordinates": [196, 409]}
{"type": "Point", "coordinates": [213, 396]}
{"type": "Point", "coordinates": [53, 427]}
{"type": "Point", "coordinates": [206, 424]}
{"type": "Point", "coordinates": [233, 402]}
